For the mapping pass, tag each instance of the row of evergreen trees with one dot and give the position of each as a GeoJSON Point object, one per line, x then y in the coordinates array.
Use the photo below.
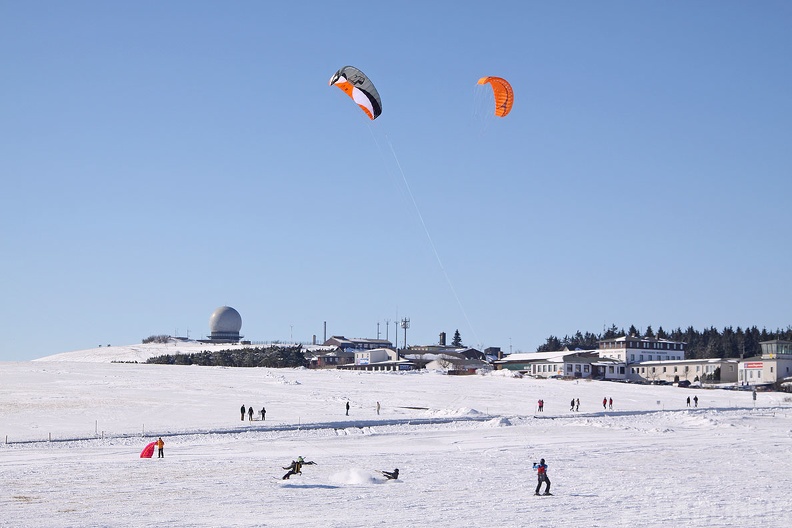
{"type": "Point", "coordinates": [709, 343]}
{"type": "Point", "coordinates": [278, 357]}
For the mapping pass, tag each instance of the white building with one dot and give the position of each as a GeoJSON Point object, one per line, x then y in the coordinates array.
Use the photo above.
{"type": "Point", "coordinates": [633, 349]}
{"type": "Point", "coordinates": [774, 364]}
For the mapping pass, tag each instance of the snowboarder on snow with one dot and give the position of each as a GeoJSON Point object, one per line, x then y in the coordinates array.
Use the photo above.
{"type": "Point", "coordinates": [294, 468]}
{"type": "Point", "coordinates": [541, 473]}
{"type": "Point", "coordinates": [391, 475]}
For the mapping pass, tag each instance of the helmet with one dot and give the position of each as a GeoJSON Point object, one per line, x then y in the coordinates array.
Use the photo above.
{"type": "Point", "coordinates": [300, 458]}
{"type": "Point", "coordinates": [541, 461]}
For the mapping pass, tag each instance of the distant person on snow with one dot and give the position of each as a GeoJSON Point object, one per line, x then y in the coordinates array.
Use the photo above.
{"type": "Point", "coordinates": [378, 408]}
{"type": "Point", "coordinates": [688, 401]}
{"type": "Point", "coordinates": [294, 468]}
{"type": "Point", "coordinates": [160, 448]}
{"type": "Point", "coordinates": [695, 401]}
{"type": "Point", "coordinates": [610, 403]}
{"type": "Point", "coordinates": [572, 405]}
{"type": "Point", "coordinates": [541, 473]}
{"type": "Point", "coordinates": [250, 414]}
{"type": "Point", "coordinates": [577, 404]}
{"type": "Point", "coordinates": [391, 475]}
{"type": "Point", "coordinates": [263, 413]}
{"type": "Point", "coordinates": [243, 413]}
{"type": "Point", "coordinates": [347, 409]}
{"type": "Point", "coordinates": [604, 403]}
{"type": "Point", "coordinates": [541, 405]}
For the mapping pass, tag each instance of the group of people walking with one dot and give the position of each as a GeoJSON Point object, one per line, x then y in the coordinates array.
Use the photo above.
{"type": "Point", "coordinates": [262, 413]}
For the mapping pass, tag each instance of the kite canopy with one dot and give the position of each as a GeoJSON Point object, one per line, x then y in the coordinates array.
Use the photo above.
{"type": "Point", "coordinates": [504, 95]}
{"type": "Point", "coordinates": [148, 450]}
{"type": "Point", "coordinates": [357, 86]}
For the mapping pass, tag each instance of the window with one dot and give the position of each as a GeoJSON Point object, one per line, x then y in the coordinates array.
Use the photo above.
{"type": "Point", "coordinates": [632, 357]}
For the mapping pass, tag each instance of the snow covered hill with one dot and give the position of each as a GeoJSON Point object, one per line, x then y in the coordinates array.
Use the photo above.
{"type": "Point", "coordinates": [74, 426]}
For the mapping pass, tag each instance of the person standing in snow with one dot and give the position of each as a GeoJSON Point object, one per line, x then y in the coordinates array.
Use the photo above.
{"type": "Point", "coordinates": [378, 408]}
{"type": "Point", "coordinates": [572, 405]}
{"type": "Point", "coordinates": [160, 448]}
{"type": "Point", "coordinates": [688, 401]}
{"type": "Point", "coordinates": [610, 403]}
{"type": "Point", "coordinates": [250, 414]}
{"type": "Point", "coordinates": [541, 405]}
{"type": "Point", "coordinates": [541, 473]}
{"type": "Point", "coordinates": [695, 401]}
{"type": "Point", "coordinates": [577, 404]}
{"type": "Point", "coordinates": [243, 413]}
{"type": "Point", "coordinates": [347, 409]}
{"type": "Point", "coordinates": [605, 403]}
{"type": "Point", "coordinates": [263, 413]}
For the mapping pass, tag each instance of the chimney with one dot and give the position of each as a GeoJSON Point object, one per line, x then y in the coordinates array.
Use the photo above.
{"type": "Point", "coordinates": [442, 339]}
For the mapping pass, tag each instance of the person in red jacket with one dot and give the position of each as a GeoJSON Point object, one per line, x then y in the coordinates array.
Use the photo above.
{"type": "Point", "coordinates": [541, 473]}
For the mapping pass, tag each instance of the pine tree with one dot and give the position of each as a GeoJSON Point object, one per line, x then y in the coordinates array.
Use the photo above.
{"type": "Point", "coordinates": [457, 341]}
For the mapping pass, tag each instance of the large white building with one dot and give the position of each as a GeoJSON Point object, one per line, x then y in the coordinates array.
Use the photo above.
{"type": "Point", "coordinates": [633, 349]}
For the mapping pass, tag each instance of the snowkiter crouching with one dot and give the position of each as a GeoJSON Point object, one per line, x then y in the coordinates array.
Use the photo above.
{"type": "Point", "coordinates": [294, 468]}
{"type": "Point", "coordinates": [541, 472]}
{"type": "Point", "coordinates": [391, 475]}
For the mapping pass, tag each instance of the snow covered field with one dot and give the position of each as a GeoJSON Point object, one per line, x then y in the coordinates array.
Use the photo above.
{"type": "Point", "coordinates": [72, 432]}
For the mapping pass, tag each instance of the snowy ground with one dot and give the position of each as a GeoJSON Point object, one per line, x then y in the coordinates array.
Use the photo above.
{"type": "Point", "coordinates": [72, 433]}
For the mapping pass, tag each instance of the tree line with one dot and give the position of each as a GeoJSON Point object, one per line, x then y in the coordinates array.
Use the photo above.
{"type": "Point", "coordinates": [277, 357]}
{"type": "Point", "coordinates": [700, 344]}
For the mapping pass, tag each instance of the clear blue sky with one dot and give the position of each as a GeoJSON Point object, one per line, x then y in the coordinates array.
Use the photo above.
{"type": "Point", "coordinates": [161, 159]}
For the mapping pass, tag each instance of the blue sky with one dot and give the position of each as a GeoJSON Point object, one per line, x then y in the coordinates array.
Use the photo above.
{"type": "Point", "coordinates": [161, 159]}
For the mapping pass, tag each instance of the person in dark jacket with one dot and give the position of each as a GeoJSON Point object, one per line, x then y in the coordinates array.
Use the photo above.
{"type": "Point", "coordinates": [391, 475]}
{"type": "Point", "coordinates": [263, 413]}
{"type": "Point", "coordinates": [347, 409]}
{"type": "Point", "coordinates": [250, 414]}
{"type": "Point", "coordinates": [243, 413]}
{"type": "Point", "coordinates": [294, 468]}
{"type": "Point", "coordinates": [541, 473]}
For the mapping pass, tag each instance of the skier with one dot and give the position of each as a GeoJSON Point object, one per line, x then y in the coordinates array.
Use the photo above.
{"type": "Point", "coordinates": [541, 473]}
{"type": "Point", "coordinates": [250, 414]}
{"type": "Point", "coordinates": [294, 468]}
{"type": "Point", "coordinates": [243, 413]}
{"type": "Point", "coordinates": [160, 448]}
{"type": "Point", "coordinates": [391, 475]}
